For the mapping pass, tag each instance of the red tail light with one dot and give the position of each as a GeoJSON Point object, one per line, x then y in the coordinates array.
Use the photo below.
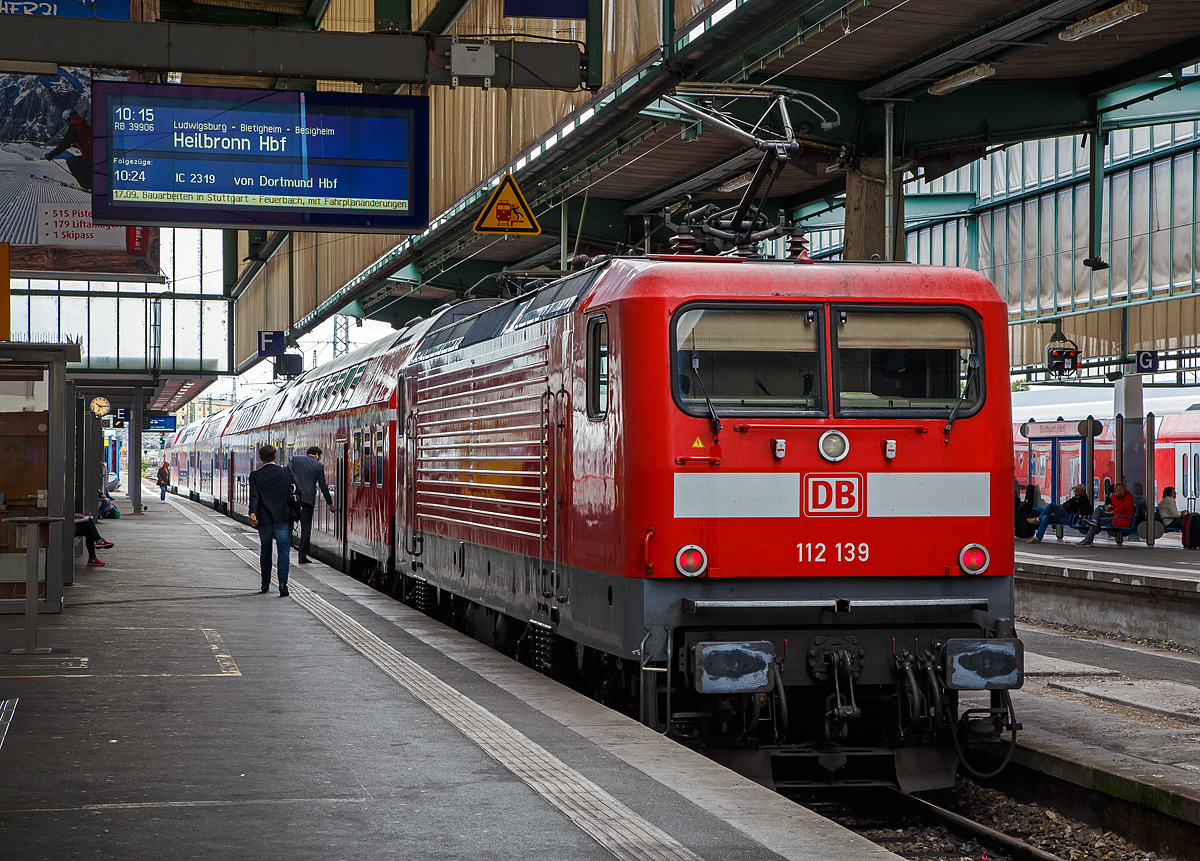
{"type": "Point", "coordinates": [973, 559]}
{"type": "Point", "coordinates": [691, 561]}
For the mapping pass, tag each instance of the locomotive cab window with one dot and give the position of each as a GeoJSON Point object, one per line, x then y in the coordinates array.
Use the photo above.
{"type": "Point", "coordinates": [919, 362]}
{"type": "Point", "coordinates": [597, 367]}
{"type": "Point", "coordinates": [752, 361]}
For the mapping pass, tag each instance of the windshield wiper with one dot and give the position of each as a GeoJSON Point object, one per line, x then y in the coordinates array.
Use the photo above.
{"type": "Point", "coordinates": [972, 369]}
{"type": "Point", "coordinates": [712, 411]}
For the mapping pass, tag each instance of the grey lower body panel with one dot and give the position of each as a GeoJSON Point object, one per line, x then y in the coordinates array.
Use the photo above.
{"type": "Point", "coordinates": [630, 617]}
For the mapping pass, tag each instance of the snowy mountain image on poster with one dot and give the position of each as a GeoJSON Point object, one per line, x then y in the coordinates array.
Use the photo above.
{"type": "Point", "coordinates": [46, 204]}
{"type": "Point", "coordinates": [33, 119]}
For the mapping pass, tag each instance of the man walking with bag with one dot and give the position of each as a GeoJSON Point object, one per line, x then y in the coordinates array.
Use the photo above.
{"type": "Point", "coordinates": [310, 474]}
{"type": "Point", "coordinates": [270, 514]}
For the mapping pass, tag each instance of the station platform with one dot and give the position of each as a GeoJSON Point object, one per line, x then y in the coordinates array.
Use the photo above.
{"type": "Point", "coordinates": [1138, 591]}
{"type": "Point", "coordinates": [1111, 699]}
{"type": "Point", "coordinates": [182, 714]}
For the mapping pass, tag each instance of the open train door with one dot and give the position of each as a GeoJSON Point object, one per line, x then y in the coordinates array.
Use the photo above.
{"type": "Point", "coordinates": [342, 495]}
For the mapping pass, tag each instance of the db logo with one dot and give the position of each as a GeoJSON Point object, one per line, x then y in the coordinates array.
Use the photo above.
{"type": "Point", "coordinates": [837, 495]}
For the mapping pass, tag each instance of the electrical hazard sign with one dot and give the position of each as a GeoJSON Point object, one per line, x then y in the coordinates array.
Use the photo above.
{"type": "Point", "coordinates": [507, 212]}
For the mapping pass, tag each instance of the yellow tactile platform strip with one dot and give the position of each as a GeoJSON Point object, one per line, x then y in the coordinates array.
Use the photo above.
{"type": "Point", "coordinates": [619, 830]}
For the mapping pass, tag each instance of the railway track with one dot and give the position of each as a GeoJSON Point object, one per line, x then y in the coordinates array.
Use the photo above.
{"type": "Point", "coordinates": [982, 828]}
{"type": "Point", "coordinates": [1014, 848]}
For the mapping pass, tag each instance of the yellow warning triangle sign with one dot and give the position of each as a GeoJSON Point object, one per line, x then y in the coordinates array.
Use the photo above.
{"type": "Point", "coordinates": [507, 211]}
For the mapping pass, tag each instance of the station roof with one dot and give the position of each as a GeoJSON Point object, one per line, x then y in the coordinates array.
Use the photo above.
{"type": "Point", "coordinates": [637, 155]}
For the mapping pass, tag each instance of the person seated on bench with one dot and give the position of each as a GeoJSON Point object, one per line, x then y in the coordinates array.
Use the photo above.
{"type": "Point", "coordinates": [85, 527]}
{"type": "Point", "coordinates": [1168, 510]}
{"type": "Point", "coordinates": [1118, 514]}
{"type": "Point", "coordinates": [1078, 505]}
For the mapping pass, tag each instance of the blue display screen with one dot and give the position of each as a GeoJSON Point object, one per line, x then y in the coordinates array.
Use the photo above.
{"type": "Point", "coordinates": [189, 156]}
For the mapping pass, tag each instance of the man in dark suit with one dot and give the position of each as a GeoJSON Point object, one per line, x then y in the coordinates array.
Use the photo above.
{"type": "Point", "coordinates": [310, 475]}
{"type": "Point", "coordinates": [269, 514]}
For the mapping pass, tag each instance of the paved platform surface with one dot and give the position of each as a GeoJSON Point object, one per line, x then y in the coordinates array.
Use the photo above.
{"type": "Point", "coordinates": [1119, 716]}
{"type": "Point", "coordinates": [1167, 558]}
{"type": "Point", "coordinates": [181, 714]}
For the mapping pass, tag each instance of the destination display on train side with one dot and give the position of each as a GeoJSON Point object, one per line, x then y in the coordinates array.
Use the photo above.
{"type": "Point", "coordinates": [219, 157]}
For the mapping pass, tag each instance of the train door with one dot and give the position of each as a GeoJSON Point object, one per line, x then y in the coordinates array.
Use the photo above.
{"type": "Point", "coordinates": [1055, 466]}
{"type": "Point", "coordinates": [413, 540]}
{"type": "Point", "coordinates": [549, 576]}
{"type": "Point", "coordinates": [340, 497]}
{"type": "Point", "coordinates": [1187, 476]}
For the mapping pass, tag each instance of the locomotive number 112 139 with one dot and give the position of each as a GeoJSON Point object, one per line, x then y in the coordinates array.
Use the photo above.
{"type": "Point", "coordinates": [844, 551]}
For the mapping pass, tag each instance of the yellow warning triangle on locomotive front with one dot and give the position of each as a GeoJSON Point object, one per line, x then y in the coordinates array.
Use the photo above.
{"type": "Point", "coordinates": [507, 212]}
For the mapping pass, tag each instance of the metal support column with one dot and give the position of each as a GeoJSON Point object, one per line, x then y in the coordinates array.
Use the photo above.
{"type": "Point", "coordinates": [393, 16]}
{"type": "Point", "coordinates": [60, 484]}
{"type": "Point", "coordinates": [1118, 453]}
{"type": "Point", "coordinates": [562, 236]}
{"type": "Point", "coordinates": [35, 528]}
{"type": "Point", "coordinates": [1151, 493]}
{"type": "Point", "coordinates": [75, 418]}
{"type": "Point", "coordinates": [92, 461]}
{"type": "Point", "coordinates": [594, 40]}
{"type": "Point", "coordinates": [135, 452]}
{"type": "Point", "coordinates": [1099, 139]}
{"type": "Point", "coordinates": [889, 189]}
{"type": "Point", "coordinates": [1089, 460]}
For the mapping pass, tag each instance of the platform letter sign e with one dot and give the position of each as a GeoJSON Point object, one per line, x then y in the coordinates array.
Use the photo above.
{"type": "Point", "coordinates": [833, 495]}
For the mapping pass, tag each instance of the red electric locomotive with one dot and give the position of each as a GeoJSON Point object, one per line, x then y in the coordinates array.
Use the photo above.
{"type": "Point", "coordinates": [765, 504]}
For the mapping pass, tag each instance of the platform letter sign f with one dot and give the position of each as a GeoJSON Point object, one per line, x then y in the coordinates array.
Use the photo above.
{"type": "Point", "coordinates": [837, 495]}
{"type": "Point", "coordinates": [270, 344]}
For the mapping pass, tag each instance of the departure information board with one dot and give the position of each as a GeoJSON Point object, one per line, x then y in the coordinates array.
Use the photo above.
{"type": "Point", "coordinates": [216, 157]}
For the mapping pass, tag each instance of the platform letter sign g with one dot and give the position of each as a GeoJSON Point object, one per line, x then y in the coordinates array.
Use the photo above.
{"type": "Point", "coordinates": [833, 495]}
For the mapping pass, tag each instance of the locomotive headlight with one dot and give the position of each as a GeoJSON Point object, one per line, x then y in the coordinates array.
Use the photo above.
{"type": "Point", "coordinates": [833, 445]}
{"type": "Point", "coordinates": [691, 561]}
{"type": "Point", "coordinates": [973, 559]}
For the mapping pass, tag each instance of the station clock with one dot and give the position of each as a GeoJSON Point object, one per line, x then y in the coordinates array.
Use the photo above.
{"type": "Point", "coordinates": [100, 407]}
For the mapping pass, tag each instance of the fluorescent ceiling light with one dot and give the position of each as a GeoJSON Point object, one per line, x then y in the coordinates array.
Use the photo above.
{"type": "Point", "coordinates": [736, 183]}
{"type": "Point", "coordinates": [961, 79]}
{"type": "Point", "coordinates": [20, 67]}
{"type": "Point", "coordinates": [1103, 20]}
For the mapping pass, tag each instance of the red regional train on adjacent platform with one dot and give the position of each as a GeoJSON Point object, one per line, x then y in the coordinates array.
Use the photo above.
{"type": "Point", "coordinates": [765, 506]}
{"type": "Point", "coordinates": [1052, 456]}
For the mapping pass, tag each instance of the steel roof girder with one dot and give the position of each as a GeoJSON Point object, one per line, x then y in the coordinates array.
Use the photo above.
{"type": "Point", "coordinates": [1185, 53]}
{"type": "Point", "coordinates": [268, 52]}
{"type": "Point", "coordinates": [1002, 36]}
{"type": "Point", "coordinates": [1150, 103]}
{"type": "Point", "coordinates": [990, 112]}
{"type": "Point", "coordinates": [443, 14]}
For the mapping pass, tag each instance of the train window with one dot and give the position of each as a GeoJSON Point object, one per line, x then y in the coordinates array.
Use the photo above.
{"type": "Point", "coordinates": [597, 367]}
{"type": "Point", "coordinates": [379, 457]}
{"type": "Point", "coordinates": [558, 298]}
{"type": "Point", "coordinates": [356, 457]}
{"type": "Point", "coordinates": [749, 360]}
{"type": "Point", "coordinates": [358, 373]}
{"type": "Point", "coordinates": [366, 459]}
{"type": "Point", "coordinates": [906, 361]}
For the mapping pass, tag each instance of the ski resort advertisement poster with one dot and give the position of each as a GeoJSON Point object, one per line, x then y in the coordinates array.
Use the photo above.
{"type": "Point", "coordinates": [45, 170]}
